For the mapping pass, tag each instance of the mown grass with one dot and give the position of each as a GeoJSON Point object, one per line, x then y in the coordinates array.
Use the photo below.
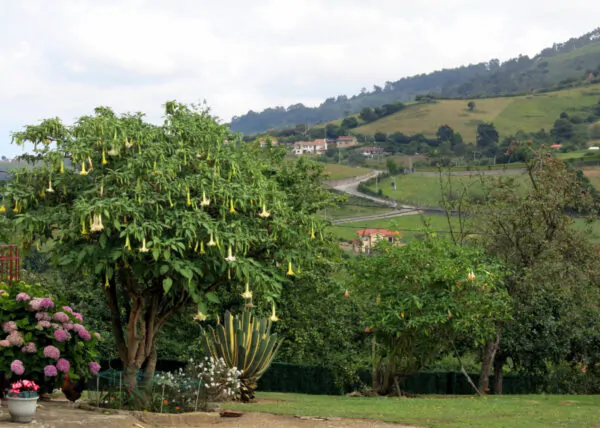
{"type": "Point", "coordinates": [339, 172]}
{"type": "Point", "coordinates": [514, 411]}
{"type": "Point", "coordinates": [510, 114]}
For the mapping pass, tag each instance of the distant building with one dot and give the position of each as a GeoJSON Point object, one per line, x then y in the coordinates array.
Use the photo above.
{"type": "Point", "coordinates": [594, 148]}
{"type": "Point", "coordinates": [316, 147]}
{"type": "Point", "coordinates": [263, 142]}
{"type": "Point", "coordinates": [372, 151]}
{"type": "Point", "coordinates": [345, 141]}
{"type": "Point", "coordinates": [556, 146]}
{"type": "Point", "coordinates": [369, 237]}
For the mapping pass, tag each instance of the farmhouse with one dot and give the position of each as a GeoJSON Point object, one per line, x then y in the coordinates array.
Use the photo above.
{"type": "Point", "coordinates": [345, 141]}
{"type": "Point", "coordinates": [316, 147]}
{"type": "Point", "coordinates": [369, 237]}
{"type": "Point", "coordinates": [372, 151]}
{"type": "Point", "coordinates": [265, 141]}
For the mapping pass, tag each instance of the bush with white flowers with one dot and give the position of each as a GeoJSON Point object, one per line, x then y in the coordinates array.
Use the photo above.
{"type": "Point", "coordinates": [192, 388]}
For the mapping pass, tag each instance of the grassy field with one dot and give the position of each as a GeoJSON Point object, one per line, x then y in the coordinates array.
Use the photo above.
{"type": "Point", "coordinates": [338, 172]}
{"type": "Point", "coordinates": [514, 411]}
{"type": "Point", "coordinates": [509, 114]}
{"type": "Point", "coordinates": [412, 226]}
{"type": "Point", "coordinates": [424, 190]}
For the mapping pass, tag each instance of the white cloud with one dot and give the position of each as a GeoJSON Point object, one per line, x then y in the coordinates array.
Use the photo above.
{"type": "Point", "coordinates": [63, 58]}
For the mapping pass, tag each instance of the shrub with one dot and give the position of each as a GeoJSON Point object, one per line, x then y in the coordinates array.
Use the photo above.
{"type": "Point", "coordinates": [41, 338]}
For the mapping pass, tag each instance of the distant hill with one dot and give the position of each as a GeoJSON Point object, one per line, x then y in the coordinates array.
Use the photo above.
{"type": "Point", "coordinates": [528, 113]}
{"type": "Point", "coordinates": [554, 67]}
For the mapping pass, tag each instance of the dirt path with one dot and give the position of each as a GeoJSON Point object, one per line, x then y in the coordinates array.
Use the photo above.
{"type": "Point", "coordinates": [60, 415]}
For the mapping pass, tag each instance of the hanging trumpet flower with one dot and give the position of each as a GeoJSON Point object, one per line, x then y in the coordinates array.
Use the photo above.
{"type": "Point", "coordinates": [50, 189]}
{"type": "Point", "coordinates": [112, 152]}
{"type": "Point", "coordinates": [200, 316]}
{"type": "Point", "coordinates": [104, 161]}
{"type": "Point", "coordinates": [231, 207]}
{"type": "Point", "coordinates": [170, 201]}
{"type": "Point", "coordinates": [230, 257]}
{"type": "Point", "coordinates": [471, 276]}
{"type": "Point", "coordinates": [212, 242]}
{"type": "Point", "coordinates": [127, 243]}
{"type": "Point", "coordinates": [143, 249]}
{"type": "Point", "coordinates": [62, 166]}
{"type": "Point", "coordinates": [202, 248]}
{"type": "Point", "coordinates": [2, 208]}
{"type": "Point", "coordinates": [43, 194]}
{"type": "Point", "coordinates": [83, 229]}
{"type": "Point", "coordinates": [273, 317]}
{"type": "Point", "coordinates": [83, 171]}
{"type": "Point", "coordinates": [290, 272]}
{"type": "Point", "coordinates": [247, 294]}
{"type": "Point", "coordinates": [106, 283]}
{"type": "Point", "coordinates": [346, 294]}
{"type": "Point", "coordinates": [312, 232]}
{"type": "Point", "coordinates": [264, 213]}
{"type": "Point", "coordinates": [90, 163]}
{"type": "Point", "coordinates": [102, 189]}
{"type": "Point", "coordinates": [17, 208]}
{"type": "Point", "coordinates": [189, 198]}
{"type": "Point", "coordinates": [205, 202]}
{"type": "Point", "coordinates": [97, 225]}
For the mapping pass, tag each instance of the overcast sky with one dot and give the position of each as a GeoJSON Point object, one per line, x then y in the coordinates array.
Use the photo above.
{"type": "Point", "coordinates": [64, 57]}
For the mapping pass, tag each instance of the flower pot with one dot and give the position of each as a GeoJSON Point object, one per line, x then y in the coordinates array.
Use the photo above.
{"type": "Point", "coordinates": [22, 409]}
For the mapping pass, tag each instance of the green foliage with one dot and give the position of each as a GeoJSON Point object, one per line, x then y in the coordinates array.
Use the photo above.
{"type": "Point", "coordinates": [245, 343]}
{"type": "Point", "coordinates": [162, 217]}
{"type": "Point", "coordinates": [38, 326]}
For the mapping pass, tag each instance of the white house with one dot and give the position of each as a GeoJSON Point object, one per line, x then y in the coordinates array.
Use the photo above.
{"type": "Point", "coordinates": [316, 147]}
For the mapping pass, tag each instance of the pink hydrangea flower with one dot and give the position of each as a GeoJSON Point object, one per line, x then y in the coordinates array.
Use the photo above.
{"type": "Point", "coordinates": [46, 303]}
{"type": "Point", "coordinates": [78, 316]}
{"type": "Point", "coordinates": [67, 309]}
{"type": "Point", "coordinates": [56, 326]}
{"type": "Point", "coordinates": [23, 297]}
{"type": "Point", "coordinates": [4, 343]}
{"type": "Point", "coordinates": [61, 335]}
{"type": "Point", "coordinates": [94, 367]}
{"type": "Point", "coordinates": [15, 338]}
{"type": "Point", "coordinates": [43, 316]}
{"type": "Point", "coordinates": [61, 317]}
{"type": "Point", "coordinates": [50, 371]}
{"type": "Point", "coordinates": [84, 334]}
{"type": "Point", "coordinates": [30, 348]}
{"type": "Point", "coordinates": [35, 303]}
{"type": "Point", "coordinates": [9, 326]}
{"type": "Point", "coordinates": [17, 367]}
{"type": "Point", "coordinates": [69, 326]}
{"type": "Point", "coordinates": [44, 324]}
{"type": "Point", "coordinates": [63, 365]}
{"type": "Point", "coordinates": [51, 352]}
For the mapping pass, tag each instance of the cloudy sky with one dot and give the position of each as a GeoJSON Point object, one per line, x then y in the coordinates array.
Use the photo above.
{"type": "Point", "coordinates": [64, 57]}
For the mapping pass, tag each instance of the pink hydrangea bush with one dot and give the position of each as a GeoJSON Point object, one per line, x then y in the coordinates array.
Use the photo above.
{"type": "Point", "coordinates": [42, 339]}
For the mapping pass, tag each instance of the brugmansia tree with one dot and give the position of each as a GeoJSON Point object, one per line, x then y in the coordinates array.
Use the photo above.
{"type": "Point", "coordinates": [419, 299]}
{"type": "Point", "coordinates": [162, 217]}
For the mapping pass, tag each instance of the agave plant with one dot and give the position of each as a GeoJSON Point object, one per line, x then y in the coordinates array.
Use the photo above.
{"type": "Point", "coordinates": [246, 343]}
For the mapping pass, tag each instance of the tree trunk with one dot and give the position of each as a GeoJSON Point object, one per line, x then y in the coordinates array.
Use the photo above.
{"type": "Point", "coordinates": [374, 365]}
{"type": "Point", "coordinates": [498, 366]}
{"type": "Point", "coordinates": [489, 353]}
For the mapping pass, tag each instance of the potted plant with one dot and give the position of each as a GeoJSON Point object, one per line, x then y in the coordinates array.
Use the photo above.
{"type": "Point", "coordinates": [22, 400]}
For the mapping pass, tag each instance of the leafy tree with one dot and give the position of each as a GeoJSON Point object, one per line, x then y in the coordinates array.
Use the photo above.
{"type": "Point", "coordinates": [350, 122]}
{"type": "Point", "coordinates": [445, 133]}
{"type": "Point", "coordinates": [563, 130]}
{"type": "Point", "coordinates": [380, 136]}
{"type": "Point", "coordinates": [162, 217]}
{"type": "Point", "coordinates": [471, 106]}
{"type": "Point", "coordinates": [392, 166]}
{"type": "Point", "coordinates": [368, 115]}
{"type": "Point", "coordinates": [420, 298]}
{"type": "Point", "coordinates": [487, 135]}
{"type": "Point", "coordinates": [552, 264]}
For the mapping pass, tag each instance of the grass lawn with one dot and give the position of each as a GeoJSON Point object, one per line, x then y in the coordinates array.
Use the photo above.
{"type": "Point", "coordinates": [338, 172]}
{"type": "Point", "coordinates": [424, 190]}
{"type": "Point", "coordinates": [412, 226]}
{"type": "Point", "coordinates": [509, 411]}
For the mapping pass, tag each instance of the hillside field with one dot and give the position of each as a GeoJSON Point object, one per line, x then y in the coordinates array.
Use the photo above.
{"type": "Point", "coordinates": [339, 172]}
{"type": "Point", "coordinates": [509, 114]}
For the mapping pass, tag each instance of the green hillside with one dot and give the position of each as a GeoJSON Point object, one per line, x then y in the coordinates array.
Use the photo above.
{"type": "Point", "coordinates": [528, 113]}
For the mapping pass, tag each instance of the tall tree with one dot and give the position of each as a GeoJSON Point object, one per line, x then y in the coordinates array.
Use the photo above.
{"type": "Point", "coordinates": [162, 217]}
{"type": "Point", "coordinates": [487, 135]}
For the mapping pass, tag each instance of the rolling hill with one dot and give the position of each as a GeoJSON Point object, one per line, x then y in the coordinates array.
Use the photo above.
{"type": "Point", "coordinates": [556, 66]}
{"type": "Point", "coordinates": [528, 113]}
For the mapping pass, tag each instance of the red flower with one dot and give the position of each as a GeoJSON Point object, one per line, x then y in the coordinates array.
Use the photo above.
{"type": "Point", "coordinates": [346, 294]}
{"type": "Point", "coordinates": [367, 330]}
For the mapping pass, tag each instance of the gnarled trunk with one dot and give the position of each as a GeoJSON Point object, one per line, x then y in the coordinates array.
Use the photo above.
{"type": "Point", "coordinates": [498, 366]}
{"type": "Point", "coordinates": [487, 360]}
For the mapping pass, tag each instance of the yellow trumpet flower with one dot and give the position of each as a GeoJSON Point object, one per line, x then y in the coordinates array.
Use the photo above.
{"type": "Point", "coordinates": [144, 249]}
{"type": "Point", "coordinates": [2, 208]}
{"type": "Point", "coordinates": [62, 166]}
{"type": "Point", "coordinates": [230, 257]}
{"type": "Point", "coordinates": [273, 317]}
{"type": "Point", "coordinates": [83, 171]}
{"type": "Point", "coordinates": [104, 161]}
{"type": "Point", "coordinates": [312, 232]}
{"type": "Point", "coordinates": [106, 283]}
{"type": "Point", "coordinates": [205, 202]}
{"type": "Point", "coordinates": [247, 294]}
{"type": "Point", "coordinates": [188, 196]}
{"type": "Point", "coordinates": [264, 213]}
{"type": "Point", "coordinates": [290, 272]}
{"type": "Point", "coordinates": [202, 248]}
{"type": "Point", "coordinates": [83, 229]}
{"type": "Point", "coordinates": [231, 208]}
{"type": "Point", "coordinates": [127, 243]}
{"type": "Point", "coordinates": [50, 189]}
{"type": "Point", "coordinates": [212, 242]}
{"type": "Point", "coordinates": [97, 225]}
